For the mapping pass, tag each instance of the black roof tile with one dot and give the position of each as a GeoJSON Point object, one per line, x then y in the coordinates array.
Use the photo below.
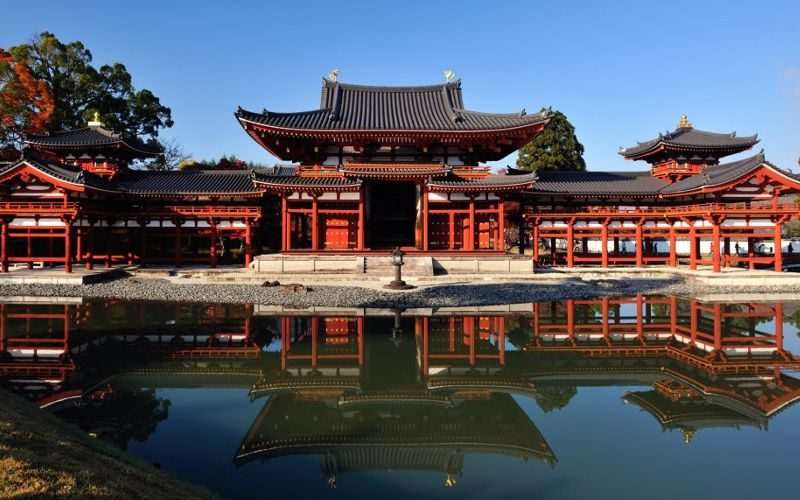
{"type": "Point", "coordinates": [427, 108]}
{"type": "Point", "coordinates": [692, 139]}
{"type": "Point", "coordinates": [188, 182]}
{"type": "Point", "coordinates": [717, 175]}
{"type": "Point", "coordinates": [67, 173]}
{"type": "Point", "coordinates": [490, 181]}
{"type": "Point", "coordinates": [94, 136]}
{"type": "Point", "coordinates": [553, 182]}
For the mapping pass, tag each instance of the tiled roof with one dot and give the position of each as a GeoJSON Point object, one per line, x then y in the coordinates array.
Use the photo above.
{"type": "Point", "coordinates": [488, 182]}
{"type": "Point", "coordinates": [716, 175]}
{"type": "Point", "coordinates": [94, 136]}
{"type": "Point", "coordinates": [72, 175]}
{"type": "Point", "coordinates": [188, 182]}
{"type": "Point", "coordinates": [597, 183]}
{"type": "Point", "coordinates": [280, 177]}
{"type": "Point", "coordinates": [692, 139]}
{"type": "Point", "coordinates": [428, 108]}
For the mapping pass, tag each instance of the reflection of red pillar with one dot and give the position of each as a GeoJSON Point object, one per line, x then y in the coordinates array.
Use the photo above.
{"type": "Point", "coordinates": [604, 312]}
{"type": "Point", "coordinates": [284, 341]}
{"type": "Point", "coordinates": [360, 329]}
{"type": "Point", "coordinates": [673, 313]}
{"type": "Point", "coordinates": [639, 316]}
{"type": "Point", "coordinates": [501, 339]}
{"type": "Point", "coordinates": [717, 327]}
{"type": "Point", "coordinates": [425, 322]}
{"type": "Point", "coordinates": [571, 318]}
{"type": "Point", "coordinates": [314, 340]}
{"type": "Point", "coordinates": [779, 325]}
{"type": "Point", "coordinates": [693, 321]}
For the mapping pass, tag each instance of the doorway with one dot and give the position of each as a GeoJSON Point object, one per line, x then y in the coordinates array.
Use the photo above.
{"type": "Point", "coordinates": [391, 215]}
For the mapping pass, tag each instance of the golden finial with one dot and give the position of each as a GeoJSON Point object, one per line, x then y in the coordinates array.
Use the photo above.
{"type": "Point", "coordinates": [95, 122]}
{"type": "Point", "coordinates": [449, 75]}
{"type": "Point", "coordinates": [688, 434]}
{"type": "Point", "coordinates": [333, 75]}
{"type": "Point", "coordinates": [684, 123]}
{"type": "Point", "coordinates": [450, 481]}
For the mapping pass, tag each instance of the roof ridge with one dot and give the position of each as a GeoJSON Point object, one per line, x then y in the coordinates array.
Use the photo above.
{"type": "Point", "coordinates": [393, 88]}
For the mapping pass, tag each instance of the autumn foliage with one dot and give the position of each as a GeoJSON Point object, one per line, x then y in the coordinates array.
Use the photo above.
{"type": "Point", "coordinates": [26, 103]}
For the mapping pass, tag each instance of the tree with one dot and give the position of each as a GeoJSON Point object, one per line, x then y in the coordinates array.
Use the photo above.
{"type": "Point", "coordinates": [224, 163]}
{"type": "Point", "coordinates": [554, 397]}
{"type": "Point", "coordinates": [26, 103]}
{"type": "Point", "coordinates": [172, 157]}
{"type": "Point", "coordinates": [556, 148]}
{"type": "Point", "coordinates": [79, 89]}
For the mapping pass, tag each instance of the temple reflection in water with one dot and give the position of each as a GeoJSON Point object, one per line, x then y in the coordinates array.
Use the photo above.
{"type": "Point", "coordinates": [422, 389]}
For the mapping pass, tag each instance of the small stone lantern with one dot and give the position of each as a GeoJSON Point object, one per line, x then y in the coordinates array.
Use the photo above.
{"type": "Point", "coordinates": [397, 262]}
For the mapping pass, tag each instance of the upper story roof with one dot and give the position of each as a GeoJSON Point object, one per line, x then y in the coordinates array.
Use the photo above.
{"type": "Point", "coordinates": [347, 107]}
{"type": "Point", "coordinates": [91, 137]}
{"type": "Point", "coordinates": [691, 141]}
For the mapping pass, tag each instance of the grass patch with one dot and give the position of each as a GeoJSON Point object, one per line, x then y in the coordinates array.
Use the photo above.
{"type": "Point", "coordinates": [41, 457]}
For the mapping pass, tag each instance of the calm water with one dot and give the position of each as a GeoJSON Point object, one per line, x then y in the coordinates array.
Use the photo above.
{"type": "Point", "coordinates": [656, 397]}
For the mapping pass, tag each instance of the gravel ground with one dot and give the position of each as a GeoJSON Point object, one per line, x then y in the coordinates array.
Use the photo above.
{"type": "Point", "coordinates": [476, 294]}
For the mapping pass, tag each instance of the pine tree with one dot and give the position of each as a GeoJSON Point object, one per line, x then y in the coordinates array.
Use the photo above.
{"type": "Point", "coordinates": [556, 148]}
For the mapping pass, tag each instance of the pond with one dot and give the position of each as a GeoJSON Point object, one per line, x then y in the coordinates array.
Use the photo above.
{"type": "Point", "coordinates": [643, 396]}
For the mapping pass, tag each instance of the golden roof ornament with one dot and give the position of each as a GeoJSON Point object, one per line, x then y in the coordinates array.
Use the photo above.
{"type": "Point", "coordinates": [95, 121]}
{"type": "Point", "coordinates": [333, 75]}
{"type": "Point", "coordinates": [684, 123]}
{"type": "Point", "coordinates": [688, 434]}
{"type": "Point", "coordinates": [449, 75]}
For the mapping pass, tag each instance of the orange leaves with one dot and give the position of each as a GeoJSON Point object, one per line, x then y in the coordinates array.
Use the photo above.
{"type": "Point", "coordinates": [26, 103]}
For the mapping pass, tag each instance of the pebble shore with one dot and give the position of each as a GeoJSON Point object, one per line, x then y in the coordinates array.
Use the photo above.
{"type": "Point", "coordinates": [445, 295]}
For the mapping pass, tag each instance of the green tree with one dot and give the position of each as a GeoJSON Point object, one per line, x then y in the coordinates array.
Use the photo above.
{"type": "Point", "coordinates": [554, 397]}
{"type": "Point", "coordinates": [79, 89]}
{"type": "Point", "coordinates": [556, 148]}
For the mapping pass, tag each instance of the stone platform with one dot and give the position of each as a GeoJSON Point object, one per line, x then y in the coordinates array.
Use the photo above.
{"type": "Point", "coordinates": [381, 265]}
{"type": "Point", "coordinates": [57, 276]}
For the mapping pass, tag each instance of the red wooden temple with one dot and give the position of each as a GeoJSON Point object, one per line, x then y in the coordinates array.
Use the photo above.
{"type": "Point", "coordinates": [374, 168]}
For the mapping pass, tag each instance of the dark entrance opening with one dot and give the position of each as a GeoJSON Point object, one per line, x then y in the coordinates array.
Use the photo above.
{"type": "Point", "coordinates": [391, 215]}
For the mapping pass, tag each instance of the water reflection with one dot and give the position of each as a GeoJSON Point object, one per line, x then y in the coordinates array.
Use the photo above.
{"type": "Point", "coordinates": [415, 390]}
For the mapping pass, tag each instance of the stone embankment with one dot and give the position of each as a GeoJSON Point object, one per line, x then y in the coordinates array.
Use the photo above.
{"type": "Point", "coordinates": [366, 295]}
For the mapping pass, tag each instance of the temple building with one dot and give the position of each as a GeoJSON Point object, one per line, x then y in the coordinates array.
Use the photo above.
{"type": "Point", "coordinates": [375, 168]}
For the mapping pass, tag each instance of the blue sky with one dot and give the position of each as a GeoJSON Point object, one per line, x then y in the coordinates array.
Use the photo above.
{"type": "Point", "coordinates": [621, 71]}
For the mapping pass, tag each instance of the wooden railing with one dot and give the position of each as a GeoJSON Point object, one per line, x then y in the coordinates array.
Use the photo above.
{"type": "Point", "coordinates": [37, 207]}
{"type": "Point", "coordinates": [766, 208]}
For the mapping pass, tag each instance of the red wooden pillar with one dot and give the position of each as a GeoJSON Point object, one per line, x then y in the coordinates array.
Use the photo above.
{"type": "Point", "coordinates": [535, 241]}
{"type": "Point", "coordinates": [314, 223]}
{"type": "Point", "coordinates": [178, 249]}
{"type": "Point", "coordinates": [79, 245]}
{"type": "Point", "coordinates": [285, 239]}
{"type": "Point", "coordinates": [142, 243]}
{"type": "Point", "coordinates": [452, 226]}
{"type": "Point", "coordinates": [4, 246]}
{"type": "Point", "coordinates": [90, 247]}
{"type": "Point", "coordinates": [673, 243]}
{"type": "Point", "coordinates": [639, 245]}
{"type": "Point", "coordinates": [692, 246]}
{"type": "Point", "coordinates": [715, 243]}
{"type": "Point", "coordinates": [570, 243]}
{"type": "Point", "coordinates": [726, 247]}
{"type": "Point", "coordinates": [501, 218]}
{"type": "Point", "coordinates": [361, 228]}
{"type": "Point", "coordinates": [472, 229]}
{"type": "Point", "coordinates": [778, 251]}
{"type": "Point", "coordinates": [212, 248]}
{"type": "Point", "coordinates": [29, 249]}
{"type": "Point", "coordinates": [604, 243]}
{"type": "Point", "coordinates": [425, 216]}
{"type": "Point", "coordinates": [248, 243]}
{"type": "Point", "coordinates": [68, 246]}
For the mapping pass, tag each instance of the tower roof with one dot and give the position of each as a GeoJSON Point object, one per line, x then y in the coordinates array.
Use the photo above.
{"type": "Point", "coordinates": [92, 137]}
{"type": "Point", "coordinates": [686, 139]}
{"type": "Point", "coordinates": [425, 108]}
